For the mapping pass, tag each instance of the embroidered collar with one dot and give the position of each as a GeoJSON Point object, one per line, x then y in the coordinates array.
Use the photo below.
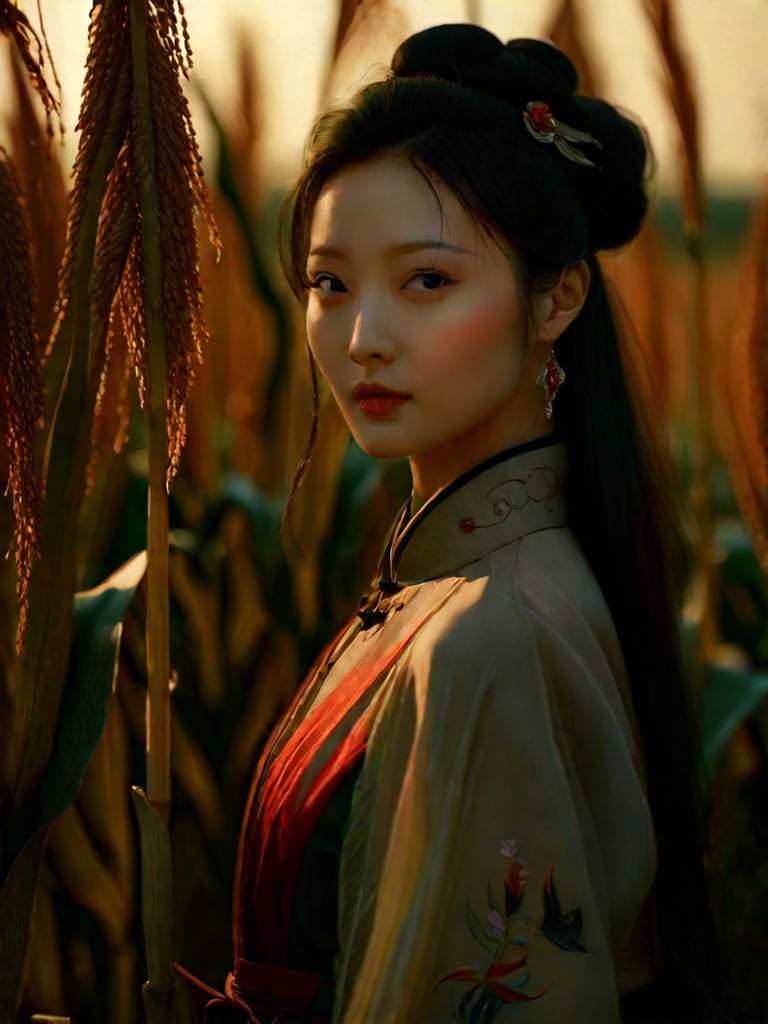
{"type": "Point", "coordinates": [517, 492]}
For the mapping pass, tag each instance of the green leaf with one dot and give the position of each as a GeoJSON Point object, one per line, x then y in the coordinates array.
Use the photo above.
{"type": "Point", "coordinates": [728, 696]}
{"type": "Point", "coordinates": [479, 1006]}
{"type": "Point", "coordinates": [565, 939]}
{"type": "Point", "coordinates": [552, 911]}
{"type": "Point", "coordinates": [156, 900]}
{"type": "Point", "coordinates": [360, 476]}
{"type": "Point", "coordinates": [265, 514]}
{"type": "Point", "coordinates": [96, 631]}
{"type": "Point", "coordinates": [17, 899]}
{"type": "Point", "coordinates": [565, 931]}
{"type": "Point", "coordinates": [493, 903]}
{"type": "Point", "coordinates": [479, 932]}
{"type": "Point", "coordinates": [743, 596]}
{"type": "Point", "coordinates": [67, 451]}
{"type": "Point", "coordinates": [562, 929]}
{"type": "Point", "coordinates": [97, 620]}
{"type": "Point", "coordinates": [345, 565]}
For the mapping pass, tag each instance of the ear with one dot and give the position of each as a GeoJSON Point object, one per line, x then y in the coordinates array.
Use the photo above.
{"type": "Point", "coordinates": [562, 303]}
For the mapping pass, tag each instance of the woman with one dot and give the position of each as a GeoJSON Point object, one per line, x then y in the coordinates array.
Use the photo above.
{"type": "Point", "coordinates": [482, 803]}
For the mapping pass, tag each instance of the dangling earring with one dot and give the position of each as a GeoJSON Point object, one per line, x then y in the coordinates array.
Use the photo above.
{"type": "Point", "coordinates": [550, 378]}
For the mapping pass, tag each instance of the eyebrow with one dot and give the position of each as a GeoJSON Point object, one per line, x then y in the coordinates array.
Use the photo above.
{"type": "Point", "coordinates": [397, 250]}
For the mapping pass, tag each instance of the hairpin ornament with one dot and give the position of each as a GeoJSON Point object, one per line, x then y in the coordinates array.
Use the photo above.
{"type": "Point", "coordinates": [544, 127]}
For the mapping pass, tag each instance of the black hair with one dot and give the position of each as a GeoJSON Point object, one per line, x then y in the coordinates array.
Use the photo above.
{"type": "Point", "coordinates": [453, 107]}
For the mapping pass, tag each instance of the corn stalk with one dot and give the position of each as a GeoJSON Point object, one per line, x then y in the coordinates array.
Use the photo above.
{"type": "Point", "coordinates": [158, 653]}
{"type": "Point", "coordinates": [744, 368]}
{"type": "Point", "coordinates": [566, 31]}
{"type": "Point", "coordinates": [128, 249]}
{"type": "Point", "coordinates": [681, 94]}
{"type": "Point", "coordinates": [155, 843]}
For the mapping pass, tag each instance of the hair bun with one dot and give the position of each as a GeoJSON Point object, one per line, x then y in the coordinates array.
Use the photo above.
{"type": "Point", "coordinates": [446, 51]}
{"type": "Point", "coordinates": [515, 72]}
{"type": "Point", "coordinates": [541, 69]}
{"type": "Point", "coordinates": [613, 195]}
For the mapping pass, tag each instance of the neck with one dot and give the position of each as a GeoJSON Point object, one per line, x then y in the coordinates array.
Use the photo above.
{"type": "Point", "coordinates": [431, 471]}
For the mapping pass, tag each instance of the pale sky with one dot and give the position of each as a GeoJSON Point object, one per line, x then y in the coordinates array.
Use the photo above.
{"type": "Point", "coordinates": [727, 41]}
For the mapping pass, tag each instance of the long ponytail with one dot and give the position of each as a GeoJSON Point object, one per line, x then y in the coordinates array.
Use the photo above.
{"type": "Point", "coordinates": [623, 514]}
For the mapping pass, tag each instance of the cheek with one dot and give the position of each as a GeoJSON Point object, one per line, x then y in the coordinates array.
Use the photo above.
{"type": "Point", "coordinates": [482, 331]}
{"type": "Point", "coordinates": [313, 322]}
{"type": "Point", "coordinates": [323, 337]}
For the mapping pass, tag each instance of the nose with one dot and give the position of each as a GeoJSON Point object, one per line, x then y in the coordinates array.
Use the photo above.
{"type": "Point", "coordinates": [370, 339]}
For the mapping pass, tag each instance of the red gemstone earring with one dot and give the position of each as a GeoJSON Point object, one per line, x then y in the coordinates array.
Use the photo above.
{"type": "Point", "coordinates": [550, 378]}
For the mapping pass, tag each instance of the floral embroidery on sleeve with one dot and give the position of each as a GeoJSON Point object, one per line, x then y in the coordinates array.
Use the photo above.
{"type": "Point", "coordinates": [504, 933]}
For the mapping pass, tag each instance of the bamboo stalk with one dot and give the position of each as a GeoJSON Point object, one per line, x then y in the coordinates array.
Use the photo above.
{"type": "Point", "coordinates": [158, 626]}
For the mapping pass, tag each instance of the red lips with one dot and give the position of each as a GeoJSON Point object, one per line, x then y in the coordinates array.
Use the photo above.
{"type": "Point", "coordinates": [364, 391]}
{"type": "Point", "coordinates": [376, 401]}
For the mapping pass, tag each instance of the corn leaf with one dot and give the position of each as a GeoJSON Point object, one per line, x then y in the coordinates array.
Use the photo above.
{"type": "Point", "coordinates": [566, 31]}
{"type": "Point", "coordinates": [260, 274]}
{"type": "Point", "coordinates": [728, 696]}
{"type": "Point", "coordinates": [360, 476]}
{"type": "Point", "coordinates": [17, 899]}
{"type": "Point", "coordinates": [51, 587]}
{"type": "Point", "coordinates": [743, 392]}
{"type": "Point", "coordinates": [240, 491]}
{"type": "Point", "coordinates": [156, 902]}
{"type": "Point", "coordinates": [97, 623]}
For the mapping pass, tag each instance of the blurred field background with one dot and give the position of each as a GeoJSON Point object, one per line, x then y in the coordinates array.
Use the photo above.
{"type": "Point", "coordinates": [247, 613]}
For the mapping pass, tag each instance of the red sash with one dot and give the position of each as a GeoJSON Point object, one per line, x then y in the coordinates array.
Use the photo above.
{"type": "Point", "coordinates": [280, 822]}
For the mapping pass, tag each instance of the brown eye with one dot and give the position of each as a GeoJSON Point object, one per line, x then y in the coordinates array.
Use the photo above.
{"type": "Point", "coordinates": [326, 284]}
{"type": "Point", "coordinates": [427, 281]}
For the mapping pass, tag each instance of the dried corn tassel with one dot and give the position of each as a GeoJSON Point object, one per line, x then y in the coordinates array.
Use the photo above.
{"type": "Point", "coordinates": [104, 113]}
{"type": "Point", "coordinates": [182, 190]}
{"type": "Point", "coordinates": [21, 379]}
{"type": "Point", "coordinates": [113, 358]}
{"type": "Point", "coordinates": [42, 180]}
{"type": "Point", "coordinates": [34, 51]}
{"type": "Point", "coordinates": [109, 108]}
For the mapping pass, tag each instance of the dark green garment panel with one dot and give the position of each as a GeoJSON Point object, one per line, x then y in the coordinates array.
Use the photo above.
{"type": "Point", "coordinates": [313, 941]}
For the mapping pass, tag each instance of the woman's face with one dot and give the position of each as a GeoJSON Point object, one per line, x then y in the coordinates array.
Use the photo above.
{"type": "Point", "coordinates": [418, 323]}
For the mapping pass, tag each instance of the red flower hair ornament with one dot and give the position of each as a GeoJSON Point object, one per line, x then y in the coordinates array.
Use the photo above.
{"type": "Point", "coordinates": [544, 127]}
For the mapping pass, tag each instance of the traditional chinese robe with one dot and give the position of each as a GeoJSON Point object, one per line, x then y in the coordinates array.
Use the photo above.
{"type": "Point", "coordinates": [466, 751]}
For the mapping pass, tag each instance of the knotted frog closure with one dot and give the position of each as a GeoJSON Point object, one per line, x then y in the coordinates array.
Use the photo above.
{"type": "Point", "coordinates": [376, 606]}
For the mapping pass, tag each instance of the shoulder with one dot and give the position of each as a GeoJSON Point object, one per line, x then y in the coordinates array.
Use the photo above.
{"type": "Point", "coordinates": [530, 598]}
{"type": "Point", "coordinates": [532, 638]}
{"type": "Point", "coordinates": [479, 619]}
{"type": "Point", "coordinates": [479, 647]}
{"type": "Point", "coordinates": [547, 572]}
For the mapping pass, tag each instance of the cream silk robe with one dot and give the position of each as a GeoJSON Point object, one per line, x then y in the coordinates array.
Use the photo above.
{"type": "Point", "coordinates": [500, 852]}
